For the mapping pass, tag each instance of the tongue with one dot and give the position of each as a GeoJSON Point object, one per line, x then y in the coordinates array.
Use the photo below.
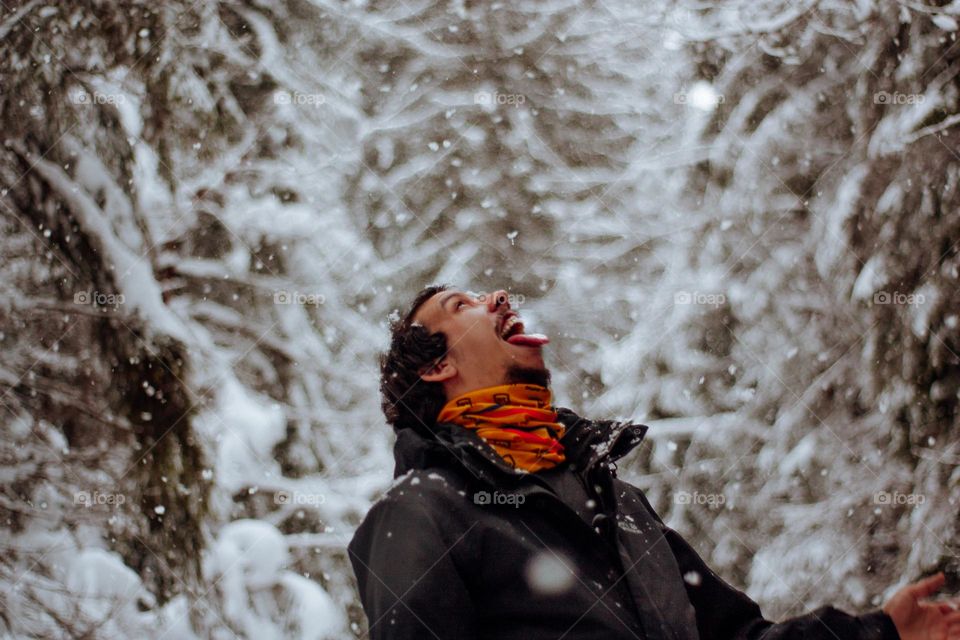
{"type": "Point", "coordinates": [529, 339]}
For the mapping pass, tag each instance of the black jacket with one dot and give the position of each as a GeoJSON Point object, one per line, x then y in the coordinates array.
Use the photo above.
{"type": "Point", "coordinates": [463, 546]}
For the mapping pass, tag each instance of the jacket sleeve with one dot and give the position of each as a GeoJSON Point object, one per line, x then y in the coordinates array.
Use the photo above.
{"type": "Point", "coordinates": [726, 613]}
{"type": "Point", "coordinates": [408, 583]}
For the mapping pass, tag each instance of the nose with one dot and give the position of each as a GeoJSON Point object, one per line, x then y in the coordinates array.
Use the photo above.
{"type": "Point", "coordinates": [497, 299]}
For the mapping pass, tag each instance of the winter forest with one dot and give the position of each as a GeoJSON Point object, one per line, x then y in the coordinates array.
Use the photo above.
{"type": "Point", "coordinates": [739, 223]}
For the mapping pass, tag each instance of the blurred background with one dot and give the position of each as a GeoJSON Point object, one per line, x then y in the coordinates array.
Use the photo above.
{"type": "Point", "coordinates": [737, 221]}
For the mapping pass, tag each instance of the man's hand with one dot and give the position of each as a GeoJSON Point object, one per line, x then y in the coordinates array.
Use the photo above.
{"type": "Point", "coordinates": [916, 620]}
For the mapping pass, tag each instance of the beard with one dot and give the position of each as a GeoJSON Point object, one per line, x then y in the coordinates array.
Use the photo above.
{"type": "Point", "coordinates": [517, 374]}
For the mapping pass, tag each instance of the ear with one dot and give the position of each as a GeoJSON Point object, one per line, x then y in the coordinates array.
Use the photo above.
{"type": "Point", "coordinates": [443, 370]}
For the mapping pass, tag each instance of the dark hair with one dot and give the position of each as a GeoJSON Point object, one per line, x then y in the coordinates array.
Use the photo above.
{"type": "Point", "coordinates": [409, 402]}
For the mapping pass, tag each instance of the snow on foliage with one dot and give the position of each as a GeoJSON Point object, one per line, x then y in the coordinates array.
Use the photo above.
{"type": "Point", "coordinates": [735, 221]}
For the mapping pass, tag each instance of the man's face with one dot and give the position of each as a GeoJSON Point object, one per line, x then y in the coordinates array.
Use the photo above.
{"type": "Point", "coordinates": [485, 339]}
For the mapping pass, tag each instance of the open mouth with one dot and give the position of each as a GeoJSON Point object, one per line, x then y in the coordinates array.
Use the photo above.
{"type": "Point", "coordinates": [511, 330]}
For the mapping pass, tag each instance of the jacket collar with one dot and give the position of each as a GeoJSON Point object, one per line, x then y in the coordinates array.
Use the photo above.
{"type": "Point", "coordinates": [587, 443]}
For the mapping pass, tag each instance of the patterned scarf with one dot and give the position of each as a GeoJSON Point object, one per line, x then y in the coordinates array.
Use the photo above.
{"type": "Point", "coordinates": [515, 419]}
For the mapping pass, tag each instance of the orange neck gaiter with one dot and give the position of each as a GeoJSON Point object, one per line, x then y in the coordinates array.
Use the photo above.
{"type": "Point", "coordinates": [515, 419]}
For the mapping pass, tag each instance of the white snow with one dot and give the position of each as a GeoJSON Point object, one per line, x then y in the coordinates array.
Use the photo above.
{"type": "Point", "coordinates": [549, 573]}
{"type": "Point", "coordinates": [261, 596]}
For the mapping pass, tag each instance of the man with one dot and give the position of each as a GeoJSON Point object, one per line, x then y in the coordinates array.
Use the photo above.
{"type": "Point", "coordinates": [507, 520]}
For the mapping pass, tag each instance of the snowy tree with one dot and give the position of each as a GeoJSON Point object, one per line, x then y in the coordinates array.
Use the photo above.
{"type": "Point", "coordinates": [167, 348]}
{"type": "Point", "coordinates": [827, 195]}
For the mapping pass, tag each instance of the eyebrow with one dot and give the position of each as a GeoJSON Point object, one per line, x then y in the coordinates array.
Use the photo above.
{"type": "Point", "coordinates": [446, 298]}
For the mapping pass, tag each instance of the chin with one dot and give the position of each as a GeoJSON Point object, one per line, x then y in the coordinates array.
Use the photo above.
{"type": "Point", "coordinates": [521, 374]}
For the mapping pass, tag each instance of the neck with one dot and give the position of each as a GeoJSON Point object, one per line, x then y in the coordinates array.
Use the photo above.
{"type": "Point", "coordinates": [515, 374]}
{"type": "Point", "coordinates": [527, 375]}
